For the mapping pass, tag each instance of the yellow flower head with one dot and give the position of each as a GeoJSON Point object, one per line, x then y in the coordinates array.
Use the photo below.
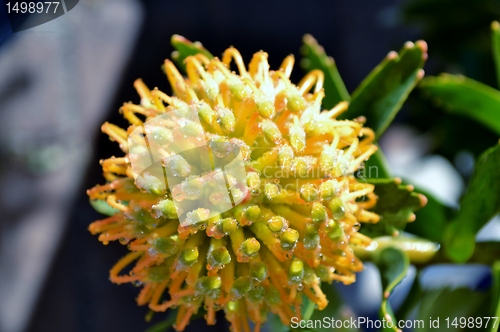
{"type": "Point", "coordinates": [294, 207]}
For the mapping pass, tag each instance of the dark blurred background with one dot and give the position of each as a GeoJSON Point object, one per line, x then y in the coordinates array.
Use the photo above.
{"type": "Point", "coordinates": [59, 81]}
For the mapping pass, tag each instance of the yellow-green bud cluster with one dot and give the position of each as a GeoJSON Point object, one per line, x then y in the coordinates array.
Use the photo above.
{"type": "Point", "coordinates": [296, 210]}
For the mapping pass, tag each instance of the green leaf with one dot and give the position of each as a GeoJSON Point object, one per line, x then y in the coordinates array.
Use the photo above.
{"type": "Point", "coordinates": [103, 207]}
{"type": "Point", "coordinates": [440, 305]}
{"type": "Point", "coordinates": [496, 293]}
{"type": "Point", "coordinates": [315, 58]}
{"type": "Point", "coordinates": [396, 204]}
{"type": "Point", "coordinates": [308, 308]}
{"type": "Point", "coordinates": [480, 203]}
{"type": "Point", "coordinates": [423, 253]}
{"type": "Point", "coordinates": [495, 36]}
{"type": "Point", "coordinates": [419, 251]}
{"type": "Point", "coordinates": [184, 48]}
{"type": "Point", "coordinates": [393, 265]}
{"type": "Point", "coordinates": [166, 324]}
{"type": "Point", "coordinates": [467, 97]}
{"type": "Point", "coordinates": [431, 221]}
{"type": "Point", "coordinates": [382, 93]}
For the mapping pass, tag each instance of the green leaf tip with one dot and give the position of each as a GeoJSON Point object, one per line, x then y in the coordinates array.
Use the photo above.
{"type": "Point", "coordinates": [382, 93]}
{"type": "Point", "coordinates": [184, 48]}
{"type": "Point", "coordinates": [396, 206]}
{"type": "Point", "coordinates": [495, 45]}
{"type": "Point", "coordinates": [465, 96]}
{"type": "Point", "coordinates": [316, 58]}
{"type": "Point", "coordinates": [103, 207]}
{"type": "Point", "coordinates": [432, 220]}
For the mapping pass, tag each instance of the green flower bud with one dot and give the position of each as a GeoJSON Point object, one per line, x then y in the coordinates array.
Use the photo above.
{"type": "Point", "coordinates": [220, 146]}
{"type": "Point", "coordinates": [297, 136]}
{"type": "Point", "coordinates": [318, 212]}
{"type": "Point", "coordinates": [241, 286]}
{"type": "Point", "coordinates": [160, 135]}
{"type": "Point", "coordinates": [337, 207]}
{"type": "Point", "coordinates": [238, 88]}
{"type": "Point", "coordinates": [206, 113]}
{"type": "Point", "coordinates": [327, 161]}
{"type": "Point", "coordinates": [252, 213]}
{"type": "Point", "coordinates": [228, 225]}
{"type": "Point", "coordinates": [144, 218]}
{"type": "Point", "coordinates": [168, 246]}
{"type": "Point", "coordinates": [271, 131]}
{"type": "Point", "coordinates": [323, 273]}
{"type": "Point", "coordinates": [192, 128]}
{"type": "Point", "coordinates": [277, 223]}
{"type": "Point", "coordinates": [308, 193]}
{"type": "Point", "coordinates": [183, 110]}
{"type": "Point", "coordinates": [159, 273]}
{"type": "Point", "coordinates": [219, 257]}
{"type": "Point", "coordinates": [302, 166]}
{"type": "Point", "coordinates": [211, 87]}
{"type": "Point", "coordinates": [296, 271]}
{"type": "Point", "coordinates": [253, 180]}
{"type": "Point", "coordinates": [151, 184]}
{"type": "Point", "coordinates": [166, 208]}
{"type": "Point", "coordinates": [188, 256]}
{"type": "Point", "coordinates": [295, 102]}
{"type": "Point", "coordinates": [138, 150]}
{"type": "Point", "coordinates": [141, 230]}
{"type": "Point", "coordinates": [226, 119]}
{"type": "Point", "coordinates": [177, 165]}
{"type": "Point", "coordinates": [288, 239]}
{"type": "Point", "coordinates": [271, 190]}
{"type": "Point", "coordinates": [264, 107]}
{"type": "Point", "coordinates": [258, 270]}
{"type": "Point", "coordinates": [196, 216]}
{"type": "Point", "coordinates": [311, 238]}
{"type": "Point", "coordinates": [192, 188]}
{"type": "Point", "coordinates": [204, 285]}
{"type": "Point", "coordinates": [232, 306]}
{"type": "Point", "coordinates": [327, 189]}
{"type": "Point", "coordinates": [250, 247]}
{"type": "Point", "coordinates": [309, 275]}
{"type": "Point", "coordinates": [336, 232]}
{"type": "Point", "coordinates": [285, 156]}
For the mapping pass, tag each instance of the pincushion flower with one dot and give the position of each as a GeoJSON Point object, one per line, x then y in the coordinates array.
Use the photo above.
{"type": "Point", "coordinates": [291, 224]}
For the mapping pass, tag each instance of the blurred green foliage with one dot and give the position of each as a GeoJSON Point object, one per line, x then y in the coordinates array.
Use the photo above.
{"type": "Point", "coordinates": [460, 43]}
